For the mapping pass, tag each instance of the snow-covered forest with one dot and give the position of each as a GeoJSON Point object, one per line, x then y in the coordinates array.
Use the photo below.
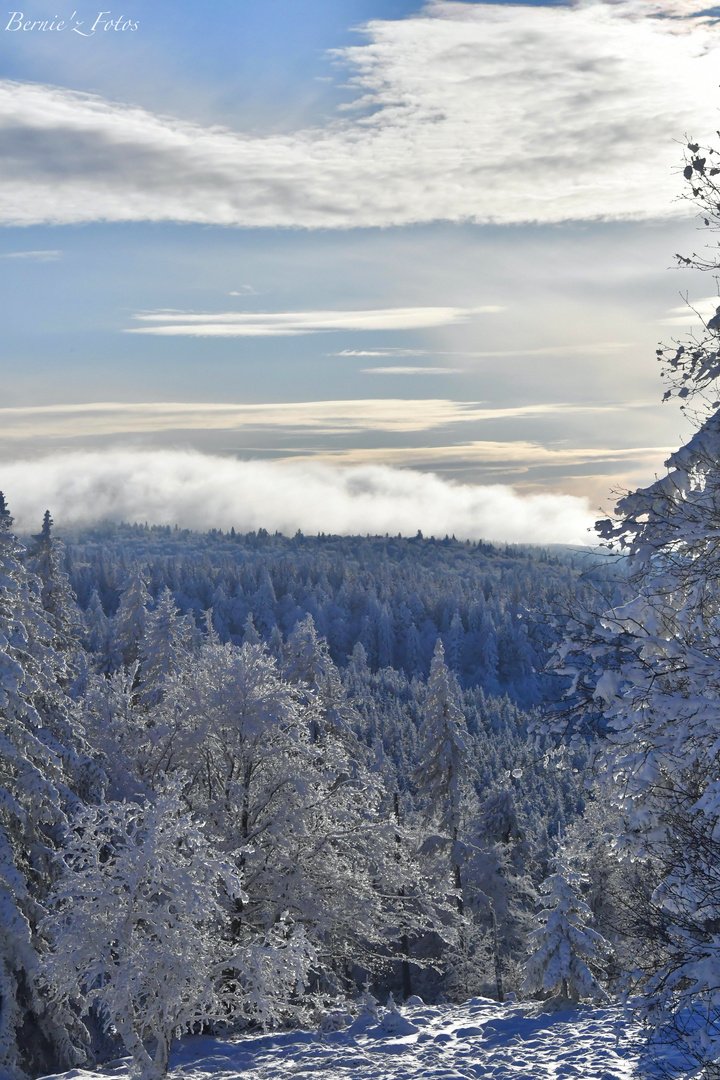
{"type": "Point", "coordinates": [251, 782]}
{"type": "Point", "coordinates": [197, 795]}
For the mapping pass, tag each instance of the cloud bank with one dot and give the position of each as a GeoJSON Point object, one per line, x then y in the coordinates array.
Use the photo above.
{"type": "Point", "coordinates": [199, 491]}
{"type": "Point", "coordinates": [466, 112]}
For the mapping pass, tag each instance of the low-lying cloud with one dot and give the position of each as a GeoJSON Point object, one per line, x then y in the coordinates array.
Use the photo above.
{"type": "Point", "coordinates": [489, 113]}
{"type": "Point", "coordinates": [199, 491]}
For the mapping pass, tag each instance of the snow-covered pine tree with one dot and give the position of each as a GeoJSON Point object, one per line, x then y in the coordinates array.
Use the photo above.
{"type": "Point", "coordinates": [45, 559]}
{"type": "Point", "coordinates": [649, 671]}
{"type": "Point", "coordinates": [442, 775]}
{"type": "Point", "coordinates": [43, 774]}
{"type": "Point", "coordinates": [164, 648]}
{"type": "Point", "coordinates": [309, 667]}
{"type": "Point", "coordinates": [306, 656]}
{"type": "Point", "coordinates": [130, 621]}
{"type": "Point", "coordinates": [98, 635]}
{"type": "Point", "coordinates": [498, 880]}
{"type": "Point", "coordinates": [263, 604]}
{"type": "Point", "coordinates": [250, 633]}
{"type": "Point", "coordinates": [569, 956]}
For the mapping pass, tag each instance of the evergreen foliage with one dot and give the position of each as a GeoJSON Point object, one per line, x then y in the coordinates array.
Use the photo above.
{"type": "Point", "coordinates": [569, 955]}
{"type": "Point", "coordinates": [646, 675]}
{"type": "Point", "coordinates": [210, 814]}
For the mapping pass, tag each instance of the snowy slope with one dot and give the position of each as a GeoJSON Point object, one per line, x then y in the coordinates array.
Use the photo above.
{"type": "Point", "coordinates": [478, 1039]}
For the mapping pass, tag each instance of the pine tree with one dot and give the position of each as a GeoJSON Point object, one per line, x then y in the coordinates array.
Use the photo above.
{"type": "Point", "coordinates": [45, 559]}
{"type": "Point", "coordinates": [44, 772]}
{"type": "Point", "coordinates": [98, 635]}
{"type": "Point", "coordinates": [164, 648]}
{"type": "Point", "coordinates": [443, 773]}
{"type": "Point", "coordinates": [569, 955]}
{"type": "Point", "coordinates": [263, 605]}
{"type": "Point", "coordinates": [130, 621]}
{"type": "Point", "coordinates": [250, 634]}
{"type": "Point", "coordinates": [647, 671]}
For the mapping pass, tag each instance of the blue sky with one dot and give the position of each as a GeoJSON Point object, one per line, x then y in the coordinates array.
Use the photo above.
{"type": "Point", "coordinates": [453, 222]}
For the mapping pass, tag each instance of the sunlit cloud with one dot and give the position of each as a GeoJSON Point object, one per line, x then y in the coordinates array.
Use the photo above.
{"type": "Point", "coordinates": [599, 348]}
{"type": "Point", "coordinates": [286, 323]}
{"type": "Point", "coordinates": [199, 491]}
{"type": "Point", "coordinates": [371, 414]}
{"type": "Point", "coordinates": [692, 312]}
{"type": "Point", "coordinates": [382, 352]}
{"type": "Point", "coordinates": [463, 112]}
{"type": "Point", "coordinates": [492, 455]}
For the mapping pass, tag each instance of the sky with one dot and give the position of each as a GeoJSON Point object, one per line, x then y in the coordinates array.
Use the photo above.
{"type": "Point", "coordinates": [355, 265]}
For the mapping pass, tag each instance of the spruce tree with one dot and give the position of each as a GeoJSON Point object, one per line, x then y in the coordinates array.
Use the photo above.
{"type": "Point", "coordinates": [569, 956]}
{"type": "Point", "coordinates": [164, 648]}
{"type": "Point", "coordinates": [130, 621]}
{"type": "Point", "coordinates": [45, 559]}
{"type": "Point", "coordinates": [443, 773]}
{"type": "Point", "coordinates": [44, 775]}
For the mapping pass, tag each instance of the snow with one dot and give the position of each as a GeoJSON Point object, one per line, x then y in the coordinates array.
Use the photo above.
{"type": "Point", "coordinates": [451, 1042]}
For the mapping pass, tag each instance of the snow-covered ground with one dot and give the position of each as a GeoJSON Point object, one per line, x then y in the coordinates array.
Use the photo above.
{"type": "Point", "coordinates": [478, 1039]}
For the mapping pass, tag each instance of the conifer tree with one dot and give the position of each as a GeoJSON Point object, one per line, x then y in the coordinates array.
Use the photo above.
{"type": "Point", "coordinates": [45, 559]}
{"type": "Point", "coordinates": [164, 648]}
{"type": "Point", "coordinates": [98, 635]}
{"type": "Point", "coordinates": [250, 634]}
{"type": "Point", "coordinates": [130, 621]}
{"type": "Point", "coordinates": [44, 772]}
{"type": "Point", "coordinates": [647, 670]}
{"type": "Point", "coordinates": [569, 956]}
{"type": "Point", "coordinates": [443, 773]}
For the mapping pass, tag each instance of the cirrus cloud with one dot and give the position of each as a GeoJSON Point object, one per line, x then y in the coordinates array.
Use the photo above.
{"type": "Point", "coordinates": [290, 323]}
{"type": "Point", "coordinates": [352, 415]}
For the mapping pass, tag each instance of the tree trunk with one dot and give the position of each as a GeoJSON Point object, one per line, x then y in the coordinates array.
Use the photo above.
{"type": "Point", "coordinates": [497, 958]}
{"type": "Point", "coordinates": [161, 1059]}
{"type": "Point", "coordinates": [456, 876]}
{"type": "Point", "coordinates": [407, 984]}
{"type": "Point", "coordinates": [404, 943]}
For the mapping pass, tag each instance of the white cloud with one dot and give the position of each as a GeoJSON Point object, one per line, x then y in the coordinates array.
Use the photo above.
{"type": "Point", "coordinates": [199, 491]}
{"type": "Point", "coordinates": [692, 312]}
{"type": "Point", "coordinates": [410, 371]}
{"type": "Point", "coordinates": [493, 113]}
{"type": "Point", "coordinates": [370, 414]}
{"type": "Point", "coordinates": [286, 323]}
{"type": "Point", "coordinates": [382, 352]}
{"type": "Point", "coordinates": [32, 256]}
{"type": "Point", "coordinates": [244, 290]}
{"type": "Point", "coordinates": [600, 348]}
{"type": "Point", "coordinates": [494, 456]}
